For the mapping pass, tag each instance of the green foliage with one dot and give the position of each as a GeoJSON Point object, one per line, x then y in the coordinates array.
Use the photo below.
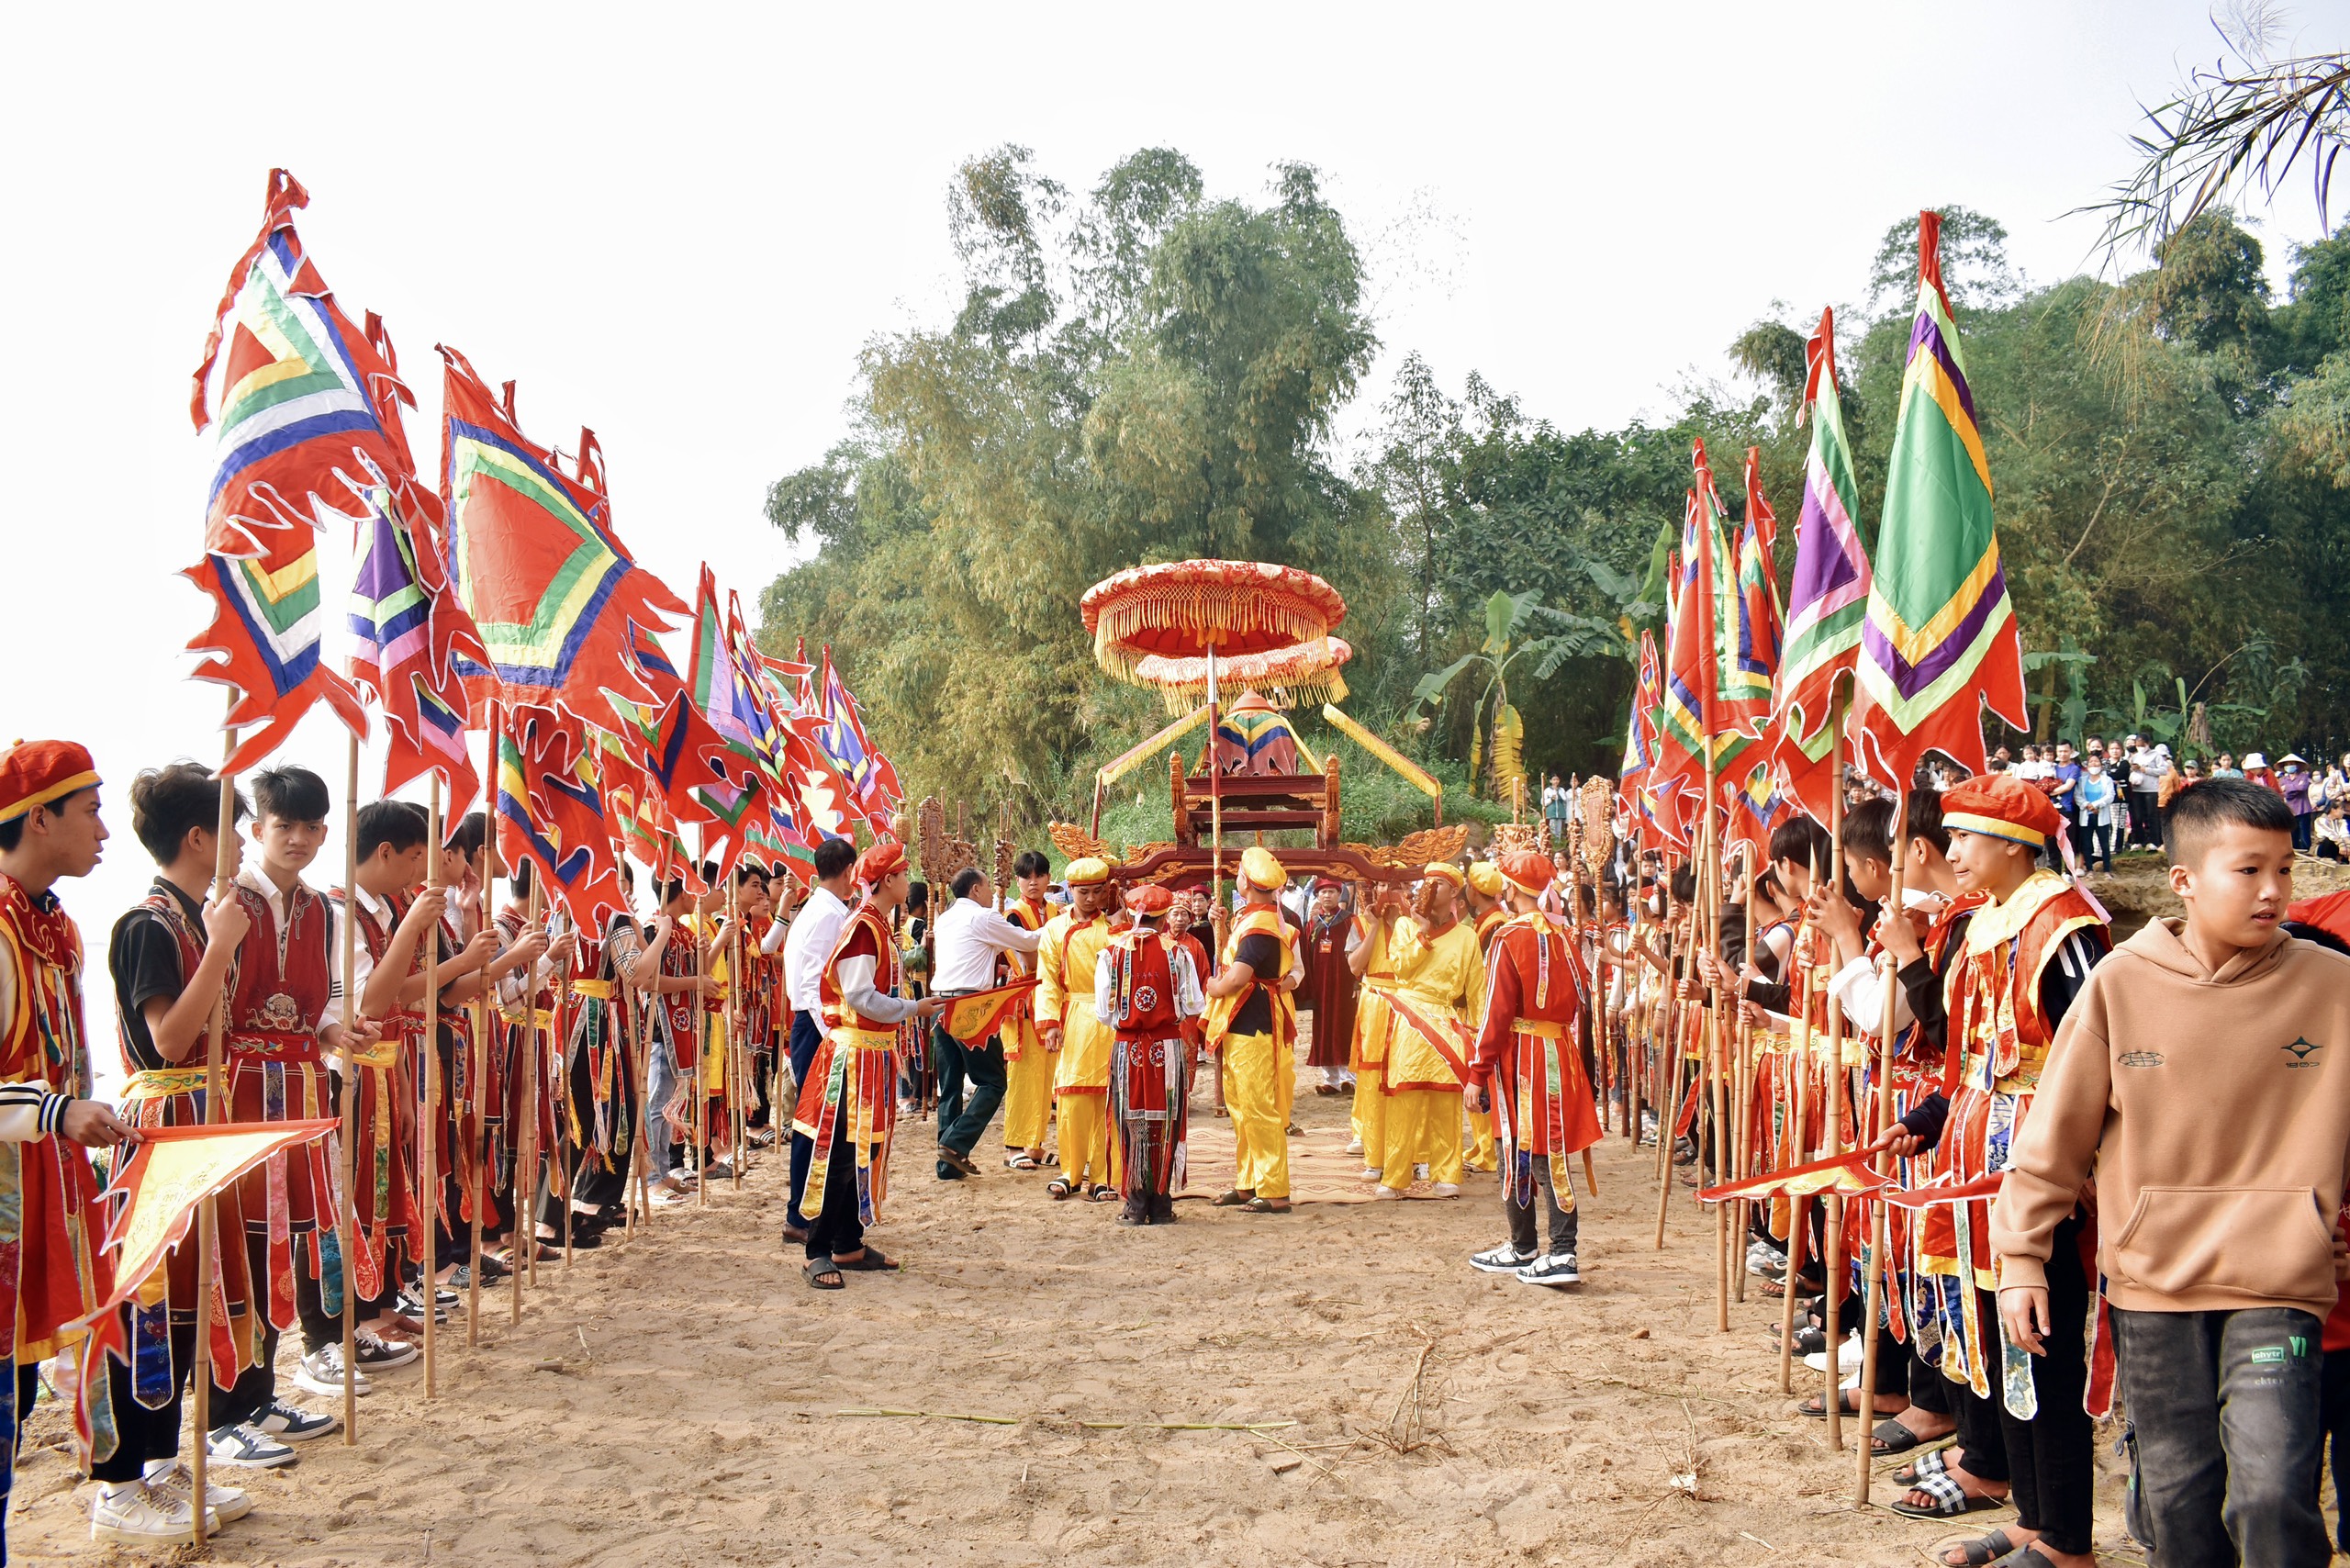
{"type": "Point", "coordinates": [1142, 372]}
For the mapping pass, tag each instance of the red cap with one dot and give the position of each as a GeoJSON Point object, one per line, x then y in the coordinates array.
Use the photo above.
{"type": "Point", "coordinates": [886, 858]}
{"type": "Point", "coordinates": [2002, 806]}
{"type": "Point", "coordinates": [1149, 899]}
{"type": "Point", "coordinates": [1528, 870]}
{"type": "Point", "coordinates": [40, 773]}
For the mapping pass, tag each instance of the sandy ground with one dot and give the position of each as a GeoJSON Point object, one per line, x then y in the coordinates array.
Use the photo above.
{"type": "Point", "coordinates": [687, 1399]}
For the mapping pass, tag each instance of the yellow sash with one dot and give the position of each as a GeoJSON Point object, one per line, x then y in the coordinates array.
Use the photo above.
{"type": "Point", "coordinates": [594, 990]}
{"type": "Point", "coordinates": [162, 1083]}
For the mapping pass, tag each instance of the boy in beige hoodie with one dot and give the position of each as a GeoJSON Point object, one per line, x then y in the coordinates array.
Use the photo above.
{"type": "Point", "coordinates": [2219, 1162]}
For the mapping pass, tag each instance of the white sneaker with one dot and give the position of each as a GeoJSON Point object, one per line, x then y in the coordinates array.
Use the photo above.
{"type": "Point", "coordinates": [1447, 1189]}
{"type": "Point", "coordinates": [1373, 1172]}
{"type": "Point", "coordinates": [1501, 1259]}
{"type": "Point", "coordinates": [1556, 1269]}
{"type": "Point", "coordinates": [227, 1503]}
{"type": "Point", "coordinates": [247, 1447]}
{"type": "Point", "coordinates": [1386, 1194]}
{"type": "Point", "coordinates": [1354, 1145]}
{"type": "Point", "coordinates": [142, 1513]}
{"type": "Point", "coordinates": [321, 1371]}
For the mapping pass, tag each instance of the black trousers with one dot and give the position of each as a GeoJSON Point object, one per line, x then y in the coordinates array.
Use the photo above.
{"type": "Point", "coordinates": [256, 1387]}
{"type": "Point", "coordinates": [2334, 1416]}
{"type": "Point", "coordinates": [835, 1227]}
{"type": "Point", "coordinates": [147, 1434]}
{"type": "Point", "coordinates": [2051, 1457]}
{"type": "Point", "coordinates": [28, 1389]}
{"type": "Point", "coordinates": [1561, 1223]}
{"type": "Point", "coordinates": [805, 1038]}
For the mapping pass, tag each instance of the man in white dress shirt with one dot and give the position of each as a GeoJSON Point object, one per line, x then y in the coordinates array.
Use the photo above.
{"type": "Point", "coordinates": [814, 932]}
{"type": "Point", "coordinates": [970, 936]}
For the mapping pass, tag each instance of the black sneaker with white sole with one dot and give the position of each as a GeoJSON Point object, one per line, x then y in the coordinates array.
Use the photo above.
{"type": "Point", "coordinates": [1501, 1259]}
{"type": "Point", "coordinates": [1553, 1269]}
{"type": "Point", "coordinates": [289, 1425]}
{"type": "Point", "coordinates": [242, 1445]}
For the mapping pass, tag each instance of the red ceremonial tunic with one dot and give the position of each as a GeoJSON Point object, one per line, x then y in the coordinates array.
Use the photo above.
{"type": "Point", "coordinates": [854, 1074]}
{"type": "Point", "coordinates": [384, 1186]}
{"type": "Point", "coordinates": [1329, 990]}
{"type": "Point", "coordinates": [278, 996]}
{"type": "Point", "coordinates": [1530, 1053]}
{"type": "Point", "coordinates": [161, 1095]}
{"type": "Point", "coordinates": [1147, 1063]}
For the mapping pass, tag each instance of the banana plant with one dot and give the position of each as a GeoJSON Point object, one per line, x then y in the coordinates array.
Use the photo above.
{"type": "Point", "coordinates": [1516, 626]}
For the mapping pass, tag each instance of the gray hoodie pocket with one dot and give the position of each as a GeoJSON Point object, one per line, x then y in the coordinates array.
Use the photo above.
{"type": "Point", "coordinates": [2268, 1242]}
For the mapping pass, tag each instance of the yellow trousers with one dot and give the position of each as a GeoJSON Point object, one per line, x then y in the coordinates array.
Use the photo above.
{"type": "Point", "coordinates": [1028, 1098]}
{"type": "Point", "coordinates": [1252, 1092]}
{"type": "Point", "coordinates": [1370, 1112]}
{"type": "Point", "coordinates": [1423, 1128]}
{"type": "Point", "coordinates": [1085, 1140]}
{"type": "Point", "coordinates": [1482, 1152]}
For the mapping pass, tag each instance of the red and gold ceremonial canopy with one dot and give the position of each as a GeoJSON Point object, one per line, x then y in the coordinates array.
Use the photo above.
{"type": "Point", "coordinates": [1179, 610]}
{"type": "Point", "coordinates": [1286, 677]}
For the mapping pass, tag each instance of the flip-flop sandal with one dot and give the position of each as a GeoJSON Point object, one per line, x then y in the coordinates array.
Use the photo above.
{"type": "Point", "coordinates": [1980, 1553]}
{"type": "Point", "coordinates": [1849, 1398]}
{"type": "Point", "coordinates": [1267, 1206]}
{"type": "Point", "coordinates": [1233, 1199]}
{"type": "Point", "coordinates": [819, 1270]}
{"type": "Point", "coordinates": [875, 1261]}
{"type": "Point", "coordinates": [1058, 1188]}
{"type": "Point", "coordinates": [1950, 1501]}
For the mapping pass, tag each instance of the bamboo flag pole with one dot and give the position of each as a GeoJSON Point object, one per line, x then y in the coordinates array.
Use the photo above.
{"type": "Point", "coordinates": [1742, 1104]}
{"type": "Point", "coordinates": [1799, 968]}
{"type": "Point", "coordinates": [485, 1016]}
{"type": "Point", "coordinates": [1712, 870]}
{"type": "Point", "coordinates": [208, 1221]}
{"type": "Point", "coordinates": [1879, 1270]}
{"type": "Point", "coordinates": [1831, 1273]}
{"type": "Point", "coordinates": [428, 1114]}
{"type": "Point", "coordinates": [559, 1085]}
{"type": "Point", "coordinates": [1635, 1061]}
{"type": "Point", "coordinates": [1669, 1111]}
{"type": "Point", "coordinates": [702, 1035]}
{"type": "Point", "coordinates": [526, 1111]}
{"type": "Point", "coordinates": [348, 1210]}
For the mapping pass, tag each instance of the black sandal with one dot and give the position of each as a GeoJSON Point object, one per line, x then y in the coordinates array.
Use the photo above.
{"type": "Point", "coordinates": [1982, 1551]}
{"type": "Point", "coordinates": [1949, 1500]}
{"type": "Point", "coordinates": [1101, 1194]}
{"type": "Point", "coordinates": [1058, 1188]}
{"type": "Point", "coordinates": [1267, 1206]}
{"type": "Point", "coordinates": [818, 1270]}
{"type": "Point", "coordinates": [1234, 1199]}
{"type": "Point", "coordinates": [874, 1262]}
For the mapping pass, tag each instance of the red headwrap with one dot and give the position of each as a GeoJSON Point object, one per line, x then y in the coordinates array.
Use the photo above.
{"type": "Point", "coordinates": [1149, 899]}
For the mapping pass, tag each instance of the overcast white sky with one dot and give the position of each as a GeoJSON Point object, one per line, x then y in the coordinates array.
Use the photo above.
{"type": "Point", "coordinates": [678, 223]}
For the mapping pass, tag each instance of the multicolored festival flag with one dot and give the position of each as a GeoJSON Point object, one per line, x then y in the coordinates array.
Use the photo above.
{"type": "Point", "coordinates": [1828, 591]}
{"type": "Point", "coordinates": [551, 812]}
{"type": "Point", "coordinates": [309, 405]}
{"type": "Point", "coordinates": [408, 632]}
{"type": "Point", "coordinates": [1640, 790]}
{"type": "Point", "coordinates": [1939, 641]}
{"type": "Point", "coordinates": [531, 550]}
{"type": "Point", "coordinates": [873, 783]}
{"type": "Point", "coordinates": [264, 642]}
{"type": "Point", "coordinates": [1709, 697]}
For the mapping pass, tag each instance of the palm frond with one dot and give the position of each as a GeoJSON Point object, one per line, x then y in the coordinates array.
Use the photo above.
{"type": "Point", "coordinates": [2233, 126]}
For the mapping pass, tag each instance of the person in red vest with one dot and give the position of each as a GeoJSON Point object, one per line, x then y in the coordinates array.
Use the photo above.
{"type": "Point", "coordinates": [1144, 987]}
{"type": "Point", "coordinates": [1528, 1072]}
